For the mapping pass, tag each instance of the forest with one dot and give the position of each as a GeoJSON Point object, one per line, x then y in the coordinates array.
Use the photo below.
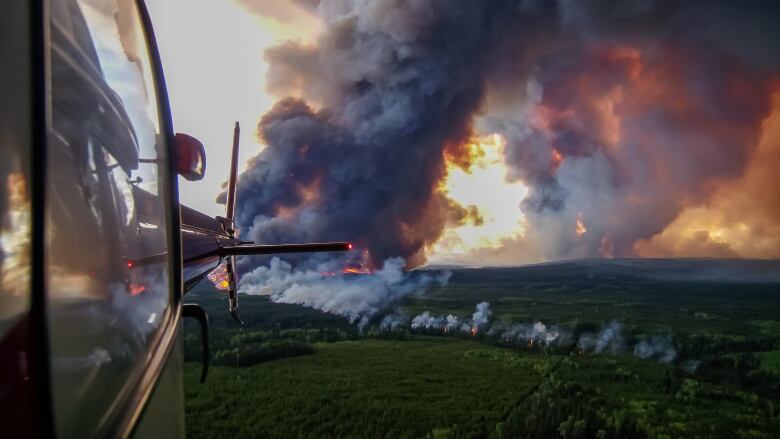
{"type": "Point", "coordinates": [567, 350]}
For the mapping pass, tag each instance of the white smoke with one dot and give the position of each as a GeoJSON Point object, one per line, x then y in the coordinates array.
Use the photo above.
{"type": "Point", "coordinates": [453, 323]}
{"type": "Point", "coordinates": [537, 332]}
{"type": "Point", "coordinates": [427, 321]}
{"type": "Point", "coordinates": [481, 316]}
{"type": "Point", "coordinates": [357, 298]}
{"type": "Point", "coordinates": [609, 339]}
{"type": "Point", "coordinates": [393, 322]}
{"type": "Point", "coordinates": [657, 347]}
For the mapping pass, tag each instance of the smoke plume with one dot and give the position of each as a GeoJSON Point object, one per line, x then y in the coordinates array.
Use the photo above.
{"type": "Point", "coordinates": [393, 321]}
{"type": "Point", "coordinates": [538, 335]}
{"type": "Point", "coordinates": [608, 340]}
{"type": "Point", "coordinates": [390, 89]}
{"type": "Point", "coordinates": [357, 298]}
{"type": "Point", "coordinates": [537, 332]}
{"type": "Point", "coordinates": [427, 321]}
{"type": "Point", "coordinates": [657, 347]}
{"type": "Point", "coordinates": [618, 116]}
{"type": "Point", "coordinates": [481, 316]}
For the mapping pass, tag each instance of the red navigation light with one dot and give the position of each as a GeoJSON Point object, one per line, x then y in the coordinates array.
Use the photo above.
{"type": "Point", "coordinates": [129, 264]}
{"type": "Point", "coordinates": [349, 246]}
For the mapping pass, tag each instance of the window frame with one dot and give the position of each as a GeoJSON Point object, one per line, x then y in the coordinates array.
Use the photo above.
{"type": "Point", "coordinates": [123, 416]}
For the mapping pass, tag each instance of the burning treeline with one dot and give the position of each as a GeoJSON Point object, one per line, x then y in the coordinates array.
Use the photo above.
{"type": "Point", "coordinates": [629, 126]}
{"type": "Point", "coordinates": [536, 336]}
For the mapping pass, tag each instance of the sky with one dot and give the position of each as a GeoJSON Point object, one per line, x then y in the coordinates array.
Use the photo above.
{"type": "Point", "coordinates": [212, 55]}
{"type": "Point", "coordinates": [484, 133]}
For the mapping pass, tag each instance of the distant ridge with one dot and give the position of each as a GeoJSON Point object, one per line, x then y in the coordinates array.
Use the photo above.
{"type": "Point", "coordinates": [670, 269]}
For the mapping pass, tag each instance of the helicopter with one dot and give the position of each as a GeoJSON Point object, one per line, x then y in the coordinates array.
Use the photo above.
{"type": "Point", "coordinates": [96, 252]}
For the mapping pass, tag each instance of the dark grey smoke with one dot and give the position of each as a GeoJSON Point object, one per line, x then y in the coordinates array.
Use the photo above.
{"type": "Point", "coordinates": [691, 94]}
{"type": "Point", "coordinates": [392, 87]}
{"type": "Point", "coordinates": [397, 83]}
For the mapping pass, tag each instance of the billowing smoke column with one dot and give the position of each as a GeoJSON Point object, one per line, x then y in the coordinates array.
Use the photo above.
{"type": "Point", "coordinates": [617, 115]}
{"type": "Point", "coordinates": [628, 114]}
{"type": "Point", "coordinates": [356, 298]}
{"type": "Point", "coordinates": [480, 317]}
{"type": "Point", "coordinates": [390, 89]}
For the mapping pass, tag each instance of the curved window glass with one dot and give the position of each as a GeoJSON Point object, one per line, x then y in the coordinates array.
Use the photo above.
{"type": "Point", "coordinates": [15, 88]}
{"type": "Point", "coordinates": [108, 277]}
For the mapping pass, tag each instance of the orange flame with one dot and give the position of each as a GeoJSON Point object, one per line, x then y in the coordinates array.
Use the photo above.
{"type": "Point", "coordinates": [362, 267]}
{"type": "Point", "coordinates": [580, 227]}
{"type": "Point", "coordinates": [356, 270]}
{"type": "Point", "coordinates": [557, 157]}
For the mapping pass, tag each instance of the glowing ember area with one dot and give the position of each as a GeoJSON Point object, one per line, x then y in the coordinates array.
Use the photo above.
{"type": "Point", "coordinates": [361, 266]}
{"type": "Point", "coordinates": [493, 202]}
{"type": "Point", "coordinates": [557, 157]}
{"type": "Point", "coordinates": [219, 277]}
{"type": "Point", "coordinates": [356, 270]}
{"type": "Point", "coordinates": [580, 227]}
{"type": "Point", "coordinates": [474, 331]}
{"type": "Point", "coordinates": [741, 219]}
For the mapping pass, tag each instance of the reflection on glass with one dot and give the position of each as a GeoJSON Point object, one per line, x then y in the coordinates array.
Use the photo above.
{"type": "Point", "coordinates": [14, 247]}
{"type": "Point", "coordinates": [108, 280]}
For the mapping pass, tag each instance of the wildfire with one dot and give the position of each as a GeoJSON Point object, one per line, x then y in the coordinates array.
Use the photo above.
{"type": "Point", "coordinates": [474, 331]}
{"type": "Point", "coordinates": [360, 267]}
{"type": "Point", "coordinates": [356, 270]}
{"type": "Point", "coordinates": [219, 277]}
{"type": "Point", "coordinates": [580, 227]}
{"type": "Point", "coordinates": [557, 157]}
{"type": "Point", "coordinates": [741, 218]}
{"type": "Point", "coordinates": [481, 187]}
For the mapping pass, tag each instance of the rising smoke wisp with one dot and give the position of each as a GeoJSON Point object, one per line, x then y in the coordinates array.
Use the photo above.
{"type": "Point", "coordinates": [610, 339]}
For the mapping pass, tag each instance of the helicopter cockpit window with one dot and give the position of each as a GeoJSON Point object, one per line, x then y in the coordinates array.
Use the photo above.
{"type": "Point", "coordinates": [15, 220]}
{"type": "Point", "coordinates": [108, 277]}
